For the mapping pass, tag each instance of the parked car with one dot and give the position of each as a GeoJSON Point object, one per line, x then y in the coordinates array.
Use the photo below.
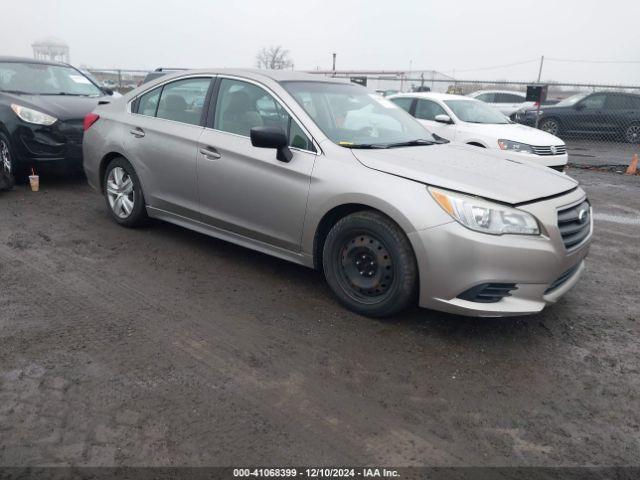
{"type": "Point", "coordinates": [42, 107]}
{"type": "Point", "coordinates": [466, 120]}
{"type": "Point", "coordinates": [110, 84]}
{"type": "Point", "coordinates": [344, 181]}
{"type": "Point", "coordinates": [106, 90]}
{"type": "Point", "coordinates": [612, 114]}
{"type": "Point", "coordinates": [506, 101]}
{"type": "Point", "coordinates": [159, 72]}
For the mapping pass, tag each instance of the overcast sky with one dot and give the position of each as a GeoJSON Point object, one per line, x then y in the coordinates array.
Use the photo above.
{"type": "Point", "coordinates": [446, 35]}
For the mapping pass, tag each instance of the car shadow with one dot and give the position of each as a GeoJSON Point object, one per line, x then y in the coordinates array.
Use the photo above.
{"type": "Point", "coordinates": [311, 283]}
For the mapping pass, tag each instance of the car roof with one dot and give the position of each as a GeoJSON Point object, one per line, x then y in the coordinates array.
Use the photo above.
{"type": "Point", "coordinates": [517, 92]}
{"type": "Point", "coordinates": [433, 96]}
{"type": "Point", "coordinates": [10, 59]}
{"type": "Point", "coordinates": [258, 74]}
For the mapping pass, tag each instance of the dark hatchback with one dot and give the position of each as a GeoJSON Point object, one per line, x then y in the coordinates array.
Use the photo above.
{"type": "Point", "coordinates": [610, 114]}
{"type": "Point", "coordinates": [42, 108]}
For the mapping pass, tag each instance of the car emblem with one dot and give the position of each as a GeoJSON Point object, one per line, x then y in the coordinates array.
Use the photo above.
{"type": "Point", "coordinates": [583, 215]}
{"type": "Point", "coordinates": [553, 149]}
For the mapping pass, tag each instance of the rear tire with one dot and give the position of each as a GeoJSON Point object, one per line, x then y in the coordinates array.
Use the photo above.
{"type": "Point", "coordinates": [632, 133]}
{"type": "Point", "coordinates": [369, 264]}
{"type": "Point", "coordinates": [123, 194]}
{"type": "Point", "coordinates": [550, 125]}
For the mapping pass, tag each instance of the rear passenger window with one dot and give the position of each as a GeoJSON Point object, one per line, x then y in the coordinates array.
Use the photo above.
{"type": "Point", "coordinates": [508, 98]}
{"type": "Point", "coordinates": [149, 103]}
{"type": "Point", "coordinates": [618, 102]}
{"type": "Point", "coordinates": [183, 100]}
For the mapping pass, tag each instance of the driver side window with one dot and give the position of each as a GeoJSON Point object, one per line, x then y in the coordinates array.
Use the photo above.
{"type": "Point", "coordinates": [240, 106]}
{"type": "Point", "coordinates": [593, 102]}
{"type": "Point", "coordinates": [427, 110]}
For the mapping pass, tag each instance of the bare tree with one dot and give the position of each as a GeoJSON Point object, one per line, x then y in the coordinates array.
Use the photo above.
{"type": "Point", "coordinates": [274, 58]}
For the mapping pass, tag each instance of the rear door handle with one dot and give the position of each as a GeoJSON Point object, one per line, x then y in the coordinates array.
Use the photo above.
{"type": "Point", "coordinates": [137, 132]}
{"type": "Point", "coordinates": [210, 153]}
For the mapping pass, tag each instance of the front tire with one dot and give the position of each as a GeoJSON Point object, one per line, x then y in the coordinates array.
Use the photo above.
{"type": "Point", "coordinates": [369, 264]}
{"type": "Point", "coordinates": [123, 194]}
{"type": "Point", "coordinates": [550, 125]}
{"type": "Point", "coordinates": [7, 164]}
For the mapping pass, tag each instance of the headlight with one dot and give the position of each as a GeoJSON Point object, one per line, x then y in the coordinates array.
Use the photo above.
{"type": "Point", "coordinates": [514, 146]}
{"type": "Point", "coordinates": [33, 116]}
{"type": "Point", "coordinates": [483, 216]}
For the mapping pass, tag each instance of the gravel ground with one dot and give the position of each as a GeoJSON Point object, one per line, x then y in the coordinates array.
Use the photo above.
{"type": "Point", "coordinates": [161, 346]}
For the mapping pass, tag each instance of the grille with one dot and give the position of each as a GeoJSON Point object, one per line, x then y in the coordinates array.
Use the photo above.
{"type": "Point", "coordinates": [562, 279]}
{"type": "Point", "coordinates": [575, 224]}
{"type": "Point", "coordinates": [488, 292]}
{"type": "Point", "coordinates": [546, 151]}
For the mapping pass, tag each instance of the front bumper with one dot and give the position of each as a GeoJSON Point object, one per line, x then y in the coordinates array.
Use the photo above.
{"type": "Point", "coordinates": [546, 160]}
{"type": "Point", "coordinates": [57, 146]}
{"type": "Point", "coordinates": [452, 259]}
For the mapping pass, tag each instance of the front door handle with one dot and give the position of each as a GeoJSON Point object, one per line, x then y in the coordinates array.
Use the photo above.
{"type": "Point", "coordinates": [137, 132]}
{"type": "Point", "coordinates": [210, 153]}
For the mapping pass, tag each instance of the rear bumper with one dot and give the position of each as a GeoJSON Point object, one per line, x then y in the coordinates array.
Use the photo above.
{"type": "Point", "coordinates": [453, 259]}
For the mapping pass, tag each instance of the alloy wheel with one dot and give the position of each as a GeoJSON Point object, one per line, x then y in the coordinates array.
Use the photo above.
{"type": "Point", "coordinates": [120, 192]}
{"type": "Point", "coordinates": [632, 135]}
{"type": "Point", "coordinates": [550, 126]}
{"type": "Point", "coordinates": [366, 268]}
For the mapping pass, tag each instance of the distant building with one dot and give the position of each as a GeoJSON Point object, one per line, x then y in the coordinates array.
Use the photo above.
{"type": "Point", "coordinates": [51, 49]}
{"type": "Point", "coordinates": [394, 80]}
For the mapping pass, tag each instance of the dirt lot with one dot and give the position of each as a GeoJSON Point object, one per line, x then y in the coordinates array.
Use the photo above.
{"type": "Point", "coordinates": [165, 347]}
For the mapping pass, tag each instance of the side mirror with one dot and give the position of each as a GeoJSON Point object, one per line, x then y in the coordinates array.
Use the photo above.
{"type": "Point", "coordinates": [107, 91]}
{"type": "Point", "coordinates": [442, 118]}
{"type": "Point", "coordinates": [272, 137]}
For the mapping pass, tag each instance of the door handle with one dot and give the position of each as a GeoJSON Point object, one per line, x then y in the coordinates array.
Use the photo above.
{"type": "Point", "coordinates": [210, 153]}
{"type": "Point", "coordinates": [137, 132]}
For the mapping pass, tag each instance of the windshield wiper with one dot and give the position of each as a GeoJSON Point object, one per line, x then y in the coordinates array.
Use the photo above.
{"type": "Point", "coordinates": [17, 92]}
{"type": "Point", "coordinates": [362, 145]}
{"type": "Point", "coordinates": [66, 94]}
{"type": "Point", "coordinates": [411, 143]}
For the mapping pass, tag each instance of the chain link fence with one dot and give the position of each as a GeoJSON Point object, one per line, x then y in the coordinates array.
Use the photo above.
{"type": "Point", "coordinates": [599, 123]}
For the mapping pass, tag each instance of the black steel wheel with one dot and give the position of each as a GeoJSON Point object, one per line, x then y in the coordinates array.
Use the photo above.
{"type": "Point", "coordinates": [369, 264]}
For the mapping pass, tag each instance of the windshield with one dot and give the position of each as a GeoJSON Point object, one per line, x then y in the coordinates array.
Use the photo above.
{"type": "Point", "coordinates": [475, 111]}
{"type": "Point", "coordinates": [353, 117]}
{"type": "Point", "coordinates": [572, 100]}
{"type": "Point", "coordinates": [43, 79]}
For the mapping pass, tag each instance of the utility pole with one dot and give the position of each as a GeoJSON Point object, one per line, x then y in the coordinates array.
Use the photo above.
{"type": "Point", "coordinates": [540, 70]}
{"type": "Point", "coordinates": [538, 103]}
{"type": "Point", "coordinates": [334, 64]}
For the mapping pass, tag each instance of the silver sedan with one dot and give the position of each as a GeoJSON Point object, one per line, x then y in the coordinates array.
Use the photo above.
{"type": "Point", "coordinates": [325, 174]}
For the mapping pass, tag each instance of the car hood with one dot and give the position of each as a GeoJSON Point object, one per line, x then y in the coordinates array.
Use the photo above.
{"type": "Point", "coordinates": [469, 170]}
{"type": "Point", "coordinates": [511, 131]}
{"type": "Point", "coordinates": [60, 106]}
